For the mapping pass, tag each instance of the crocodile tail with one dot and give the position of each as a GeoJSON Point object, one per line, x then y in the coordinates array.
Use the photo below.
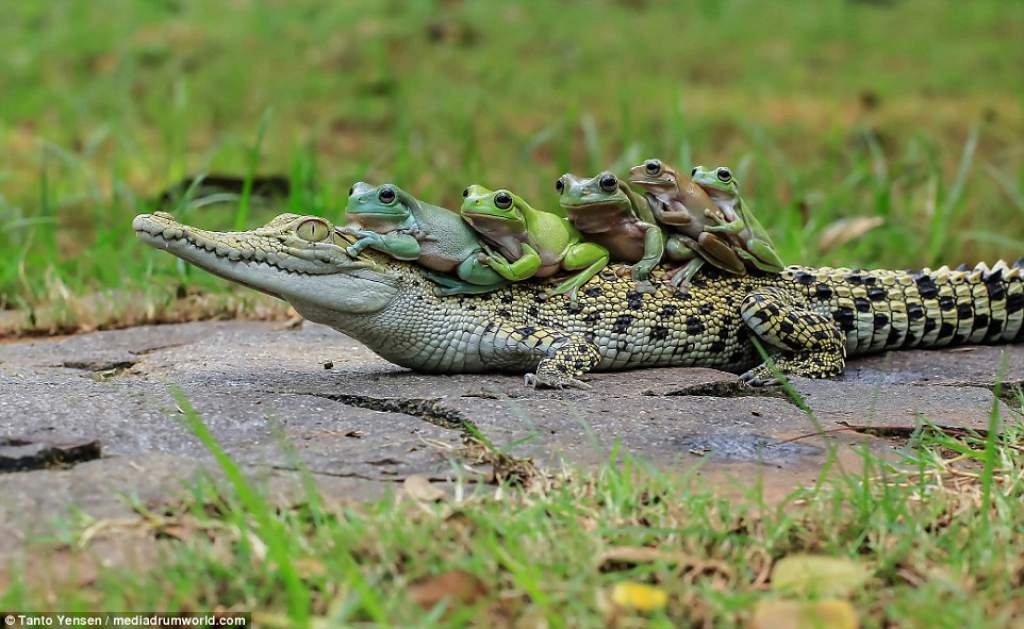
{"type": "Point", "coordinates": [883, 310]}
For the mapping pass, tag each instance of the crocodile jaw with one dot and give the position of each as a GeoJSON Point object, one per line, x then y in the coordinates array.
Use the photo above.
{"type": "Point", "coordinates": [323, 280]}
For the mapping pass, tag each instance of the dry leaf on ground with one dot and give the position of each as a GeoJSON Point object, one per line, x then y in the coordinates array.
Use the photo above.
{"type": "Point", "coordinates": [457, 586]}
{"type": "Point", "coordinates": [846, 229]}
{"type": "Point", "coordinates": [781, 614]}
{"type": "Point", "coordinates": [419, 488]}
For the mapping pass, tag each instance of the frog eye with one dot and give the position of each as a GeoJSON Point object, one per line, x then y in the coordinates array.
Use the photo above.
{"type": "Point", "coordinates": [387, 195]}
{"type": "Point", "coordinates": [559, 185]}
{"type": "Point", "coordinates": [652, 167]}
{"type": "Point", "coordinates": [693, 172]}
{"type": "Point", "coordinates": [724, 174]}
{"type": "Point", "coordinates": [313, 230]}
{"type": "Point", "coordinates": [609, 183]}
{"type": "Point", "coordinates": [503, 200]}
{"type": "Point", "coordinates": [351, 190]}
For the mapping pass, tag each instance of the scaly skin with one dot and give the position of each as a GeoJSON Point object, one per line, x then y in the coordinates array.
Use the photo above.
{"type": "Point", "coordinates": [809, 319]}
{"type": "Point", "coordinates": [530, 243]}
{"type": "Point", "coordinates": [759, 250]}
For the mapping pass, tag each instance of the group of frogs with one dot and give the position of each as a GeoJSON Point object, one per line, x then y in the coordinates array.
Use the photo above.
{"type": "Point", "coordinates": [497, 237]}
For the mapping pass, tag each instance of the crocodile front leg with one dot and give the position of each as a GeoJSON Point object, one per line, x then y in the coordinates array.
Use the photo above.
{"type": "Point", "coordinates": [565, 357]}
{"type": "Point", "coordinates": [806, 343]}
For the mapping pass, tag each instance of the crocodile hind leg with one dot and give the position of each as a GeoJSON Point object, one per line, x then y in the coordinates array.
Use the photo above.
{"type": "Point", "coordinates": [805, 343]}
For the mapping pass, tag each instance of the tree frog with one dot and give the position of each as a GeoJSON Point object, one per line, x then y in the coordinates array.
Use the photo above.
{"type": "Point", "coordinates": [391, 220]}
{"type": "Point", "coordinates": [529, 242]}
{"type": "Point", "coordinates": [685, 208]}
{"type": "Point", "coordinates": [723, 188]}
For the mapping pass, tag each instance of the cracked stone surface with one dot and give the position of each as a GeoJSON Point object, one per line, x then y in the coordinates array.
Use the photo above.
{"type": "Point", "coordinates": [364, 424]}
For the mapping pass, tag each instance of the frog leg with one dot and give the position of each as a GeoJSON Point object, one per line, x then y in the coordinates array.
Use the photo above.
{"type": "Point", "coordinates": [762, 255]}
{"type": "Point", "coordinates": [523, 268]}
{"type": "Point", "coordinates": [654, 249]}
{"type": "Point", "coordinates": [399, 246]}
{"type": "Point", "coordinates": [730, 227]}
{"type": "Point", "coordinates": [805, 343]}
{"type": "Point", "coordinates": [588, 256]}
{"type": "Point", "coordinates": [721, 254]}
{"type": "Point", "coordinates": [680, 248]}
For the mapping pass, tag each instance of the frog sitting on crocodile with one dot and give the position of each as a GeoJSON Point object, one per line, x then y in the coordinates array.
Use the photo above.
{"type": "Point", "coordinates": [686, 209]}
{"type": "Point", "coordinates": [721, 185]}
{"type": "Point", "coordinates": [607, 212]}
{"type": "Point", "coordinates": [389, 219]}
{"type": "Point", "coordinates": [529, 242]}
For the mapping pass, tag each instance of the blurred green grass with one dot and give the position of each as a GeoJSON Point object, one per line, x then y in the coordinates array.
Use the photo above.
{"type": "Point", "coordinates": [909, 110]}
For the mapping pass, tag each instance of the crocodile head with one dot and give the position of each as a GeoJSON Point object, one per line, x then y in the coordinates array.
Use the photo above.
{"type": "Point", "coordinates": [300, 259]}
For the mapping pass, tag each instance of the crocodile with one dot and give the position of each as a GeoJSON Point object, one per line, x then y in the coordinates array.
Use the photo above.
{"type": "Point", "coordinates": [807, 320]}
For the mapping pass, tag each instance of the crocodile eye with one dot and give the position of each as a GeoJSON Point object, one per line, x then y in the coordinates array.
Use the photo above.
{"type": "Point", "coordinates": [503, 200]}
{"type": "Point", "coordinates": [313, 230]}
{"type": "Point", "coordinates": [387, 196]}
{"type": "Point", "coordinates": [559, 185]}
{"type": "Point", "coordinates": [609, 183]}
{"type": "Point", "coordinates": [724, 174]}
{"type": "Point", "coordinates": [652, 167]}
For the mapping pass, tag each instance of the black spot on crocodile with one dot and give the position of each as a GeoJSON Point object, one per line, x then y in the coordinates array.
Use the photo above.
{"type": "Point", "coordinates": [876, 294]}
{"type": "Point", "coordinates": [894, 337]}
{"type": "Point", "coordinates": [910, 340]}
{"type": "Point", "coordinates": [717, 347]}
{"type": "Point", "coordinates": [580, 364]}
{"type": "Point", "coordinates": [861, 304]}
{"type": "Point", "coordinates": [489, 326]}
{"type": "Point", "coordinates": [563, 368]}
{"type": "Point", "coordinates": [805, 278]}
{"type": "Point", "coordinates": [506, 298]}
{"type": "Point", "coordinates": [659, 332]}
{"type": "Point", "coordinates": [995, 327]}
{"type": "Point", "coordinates": [870, 280]}
{"type": "Point", "coordinates": [996, 291]}
{"type": "Point", "coordinates": [926, 286]}
{"type": "Point", "coordinates": [694, 326]}
{"type": "Point", "coordinates": [634, 300]}
{"type": "Point", "coordinates": [994, 277]}
{"type": "Point", "coordinates": [533, 311]}
{"type": "Point", "coordinates": [929, 325]}
{"type": "Point", "coordinates": [946, 302]}
{"type": "Point", "coordinates": [680, 295]}
{"type": "Point", "coordinates": [698, 281]}
{"type": "Point", "coordinates": [595, 291]}
{"type": "Point", "coordinates": [1014, 303]}
{"type": "Point", "coordinates": [592, 317]}
{"type": "Point", "coordinates": [980, 321]}
{"type": "Point", "coordinates": [621, 324]}
{"type": "Point", "coordinates": [881, 320]}
{"type": "Point", "coordinates": [915, 311]}
{"type": "Point", "coordinates": [823, 292]}
{"type": "Point", "coordinates": [964, 311]}
{"type": "Point", "coordinates": [668, 310]}
{"type": "Point", "coordinates": [504, 314]}
{"type": "Point", "coordinates": [526, 330]}
{"type": "Point", "coordinates": [845, 318]}
{"type": "Point", "coordinates": [706, 309]}
{"type": "Point", "coordinates": [855, 279]}
{"type": "Point", "coordinates": [947, 329]}
{"type": "Point", "coordinates": [786, 327]}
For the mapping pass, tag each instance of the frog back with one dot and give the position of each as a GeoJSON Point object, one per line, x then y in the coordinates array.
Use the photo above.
{"type": "Point", "coordinates": [448, 236]}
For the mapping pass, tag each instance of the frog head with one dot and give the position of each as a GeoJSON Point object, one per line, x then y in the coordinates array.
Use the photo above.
{"type": "Point", "coordinates": [720, 184]}
{"type": "Point", "coordinates": [493, 212]}
{"type": "Point", "coordinates": [377, 207]}
{"type": "Point", "coordinates": [600, 192]}
{"type": "Point", "coordinates": [654, 176]}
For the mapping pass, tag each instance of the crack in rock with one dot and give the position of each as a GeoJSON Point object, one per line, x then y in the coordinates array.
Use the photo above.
{"type": "Point", "coordinates": [429, 410]}
{"type": "Point", "coordinates": [724, 389]}
{"type": "Point", "coordinates": [23, 455]}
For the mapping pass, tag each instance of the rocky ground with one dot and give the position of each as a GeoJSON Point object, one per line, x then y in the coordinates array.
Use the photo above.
{"type": "Point", "coordinates": [88, 424]}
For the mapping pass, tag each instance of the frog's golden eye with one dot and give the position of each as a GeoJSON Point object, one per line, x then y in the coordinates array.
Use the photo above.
{"type": "Point", "coordinates": [724, 174]}
{"type": "Point", "coordinates": [652, 167]}
{"type": "Point", "coordinates": [608, 182]}
{"type": "Point", "coordinates": [313, 230]}
{"type": "Point", "coordinates": [503, 200]}
{"type": "Point", "coordinates": [387, 195]}
{"type": "Point", "coordinates": [559, 185]}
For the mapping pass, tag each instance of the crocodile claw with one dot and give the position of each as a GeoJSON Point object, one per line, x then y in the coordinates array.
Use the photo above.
{"type": "Point", "coordinates": [539, 381]}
